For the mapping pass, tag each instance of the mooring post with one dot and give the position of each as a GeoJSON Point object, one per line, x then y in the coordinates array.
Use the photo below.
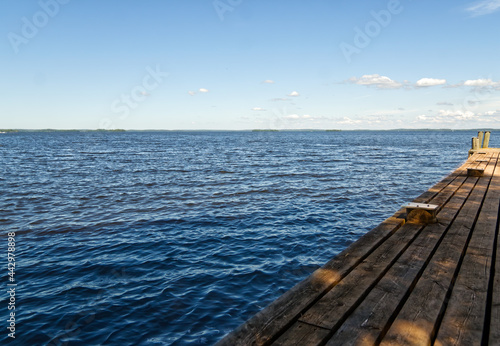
{"type": "Point", "coordinates": [480, 139]}
{"type": "Point", "coordinates": [475, 143]}
{"type": "Point", "coordinates": [421, 212]}
{"type": "Point", "coordinates": [486, 139]}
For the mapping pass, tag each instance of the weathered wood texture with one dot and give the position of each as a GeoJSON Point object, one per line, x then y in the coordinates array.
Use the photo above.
{"type": "Point", "coordinates": [403, 283]}
{"type": "Point", "coordinates": [464, 318]}
{"type": "Point", "coordinates": [495, 296]}
{"type": "Point", "coordinates": [416, 322]}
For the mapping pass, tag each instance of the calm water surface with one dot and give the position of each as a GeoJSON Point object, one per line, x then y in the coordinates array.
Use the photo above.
{"type": "Point", "coordinates": [179, 237]}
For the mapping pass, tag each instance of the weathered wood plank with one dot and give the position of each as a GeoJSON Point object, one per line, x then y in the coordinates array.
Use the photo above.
{"type": "Point", "coordinates": [463, 323]}
{"type": "Point", "coordinates": [495, 298]}
{"type": "Point", "coordinates": [464, 318]}
{"type": "Point", "coordinates": [330, 310]}
{"type": "Point", "coordinates": [364, 326]}
{"type": "Point", "coordinates": [302, 334]}
{"type": "Point", "coordinates": [369, 320]}
{"type": "Point", "coordinates": [415, 322]}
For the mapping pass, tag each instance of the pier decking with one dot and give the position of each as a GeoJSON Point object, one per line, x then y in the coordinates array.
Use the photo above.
{"type": "Point", "coordinates": [404, 283]}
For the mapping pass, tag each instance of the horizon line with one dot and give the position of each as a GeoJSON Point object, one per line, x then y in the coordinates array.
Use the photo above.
{"type": "Point", "coordinates": [241, 130]}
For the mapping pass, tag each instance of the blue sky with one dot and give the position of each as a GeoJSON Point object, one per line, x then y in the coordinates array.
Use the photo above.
{"type": "Point", "coordinates": [249, 64]}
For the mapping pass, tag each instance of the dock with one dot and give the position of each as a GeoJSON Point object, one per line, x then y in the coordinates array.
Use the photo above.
{"type": "Point", "coordinates": [428, 275]}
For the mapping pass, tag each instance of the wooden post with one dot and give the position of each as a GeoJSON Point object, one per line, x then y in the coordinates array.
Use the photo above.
{"type": "Point", "coordinates": [486, 139]}
{"type": "Point", "coordinates": [480, 139]}
{"type": "Point", "coordinates": [475, 143]}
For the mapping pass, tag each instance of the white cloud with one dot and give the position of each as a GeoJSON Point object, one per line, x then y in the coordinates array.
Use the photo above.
{"type": "Point", "coordinates": [349, 121]}
{"type": "Point", "coordinates": [448, 117]}
{"type": "Point", "coordinates": [384, 82]}
{"type": "Point", "coordinates": [480, 82]}
{"type": "Point", "coordinates": [258, 109]}
{"type": "Point", "coordinates": [294, 94]}
{"type": "Point", "coordinates": [492, 113]}
{"type": "Point", "coordinates": [201, 90]}
{"type": "Point", "coordinates": [427, 82]}
{"type": "Point", "coordinates": [285, 120]}
{"type": "Point", "coordinates": [380, 82]}
{"type": "Point", "coordinates": [306, 118]}
{"type": "Point", "coordinates": [483, 7]}
{"type": "Point", "coordinates": [268, 81]}
{"type": "Point", "coordinates": [461, 118]}
{"type": "Point", "coordinates": [457, 115]}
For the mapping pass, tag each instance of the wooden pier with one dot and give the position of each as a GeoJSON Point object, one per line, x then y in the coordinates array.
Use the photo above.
{"type": "Point", "coordinates": [409, 281]}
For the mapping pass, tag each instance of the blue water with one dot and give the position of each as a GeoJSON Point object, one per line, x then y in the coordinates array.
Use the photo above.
{"type": "Point", "coordinates": [179, 237]}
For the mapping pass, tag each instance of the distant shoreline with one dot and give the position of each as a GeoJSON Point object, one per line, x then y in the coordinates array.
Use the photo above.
{"type": "Point", "coordinates": [249, 130]}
